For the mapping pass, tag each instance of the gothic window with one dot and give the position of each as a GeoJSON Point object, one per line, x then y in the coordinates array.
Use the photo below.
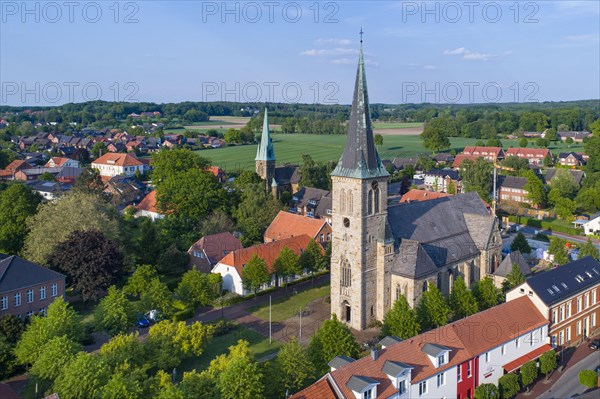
{"type": "Point", "coordinates": [349, 204]}
{"type": "Point", "coordinates": [343, 201]}
{"type": "Point", "coordinates": [398, 291]}
{"type": "Point", "coordinates": [439, 281]}
{"type": "Point", "coordinates": [346, 278]}
{"type": "Point", "coordinates": [377, 201]}
{"type": "Point", "coordinates": [424, 286]}
{"type": "Point", "coordinates": [370, 202]}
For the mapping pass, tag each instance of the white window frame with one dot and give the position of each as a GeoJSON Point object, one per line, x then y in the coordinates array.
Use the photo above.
{"type": "Point", "coordinates": [578, 327]}
{"type": "Point", "coordinates": [30, 296]}
{"type": "Point", "coordinates": [459, 373]}
{"type": "Point", "coordinates": [54, 289]}
{"type": "Point", "coordinates": [579, 302]}
{"type": "Point", "coordinates": [503, 349]}
{"type": "Point", "coordinates": [402, 387]}
{"type": "Point", "coordinates": [423, 388]}
{"type": "Point", "coordinates": [441, 379]}
{"type": "Point", "coordinates": [441, 360]}
{"type": "Point", "coordinates": [42, 293]}
{"type": "Point", "coordinates": [469, 371]}
{"type": "Point", "coordinates": [569, 309]}
{"type": "Point", "coordinates": [561, 337]}
{"type": "Point", "coordinates": [4, 303]}
{"type": "Point", "coordinates": [17, 299]}
{"type": "Point", "coordinates": [568, 334]}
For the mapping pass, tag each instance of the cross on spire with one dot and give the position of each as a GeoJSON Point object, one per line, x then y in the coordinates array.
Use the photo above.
{"type": "Point", "coordinates": [361, 34]}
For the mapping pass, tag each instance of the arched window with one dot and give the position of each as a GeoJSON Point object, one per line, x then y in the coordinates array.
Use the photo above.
{"type": "Point", "coordinates": [377, 200]}
{"type": "Point", "coordinates": [346, 277]}
{"type": "Point", "coordinates": [349, 204]}
{"type": "Point", "coordinates": [424, 286]}
{"type": "Point", "coordinates": [370, 202]}
{"type": "Point", "coordinates": [398, 291]}
{"type": "Point", "coordinates": [342, 201]}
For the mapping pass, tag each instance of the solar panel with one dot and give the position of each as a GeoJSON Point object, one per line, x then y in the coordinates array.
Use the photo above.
{"type": "Point", "coordinates": [556, 288]}
{"type": "Point", "coordinates": [564, 285]}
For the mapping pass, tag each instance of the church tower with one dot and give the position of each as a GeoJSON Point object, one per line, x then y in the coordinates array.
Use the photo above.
{"type": "Point", "coordinates": [359, 219]}
{"type": "Point", "coordinates": [265, 154]}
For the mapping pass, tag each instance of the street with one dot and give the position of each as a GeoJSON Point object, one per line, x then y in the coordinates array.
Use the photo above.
{"type": "Point", "coordinates": [568, 384]}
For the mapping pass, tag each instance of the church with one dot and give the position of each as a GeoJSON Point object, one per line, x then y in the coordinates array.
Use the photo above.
{"type": "Point", "coordinates": [380, 252]}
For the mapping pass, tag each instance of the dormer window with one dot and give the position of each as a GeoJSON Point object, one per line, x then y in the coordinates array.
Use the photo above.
{"type": "Point", "coordinates": [441, 360]}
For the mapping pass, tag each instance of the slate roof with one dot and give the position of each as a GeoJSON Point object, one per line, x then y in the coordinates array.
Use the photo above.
{"type": "Point", "coordinates": [216, 246]}
{"type": "Point", "coordinates": [434, 350]}
{"type": "Point", "coordinates": [287, 174]}
{"type": "Point", "coordinates": [452, 174]}
{"type": "Point", "coordinates": [321, 197]}
{"type": "Point", "coordinates": [359, 383]}
{"type": "Point", "coordinates": [389, 340]}
{"type": "Point", "coordinates": [511, 182]}
{"type": "Point", "coordinates": [558, 284]}
{"type": "Point", "coordinates": [510, 259]}
{"type": "Point", "coordinates": [340, 361]}
{"type": "Point", "coordinates": [17, 273]}
{"type": "Point", "coordinates": [395, 368]}
{"type": "Point", "coordinates": [431, 234]}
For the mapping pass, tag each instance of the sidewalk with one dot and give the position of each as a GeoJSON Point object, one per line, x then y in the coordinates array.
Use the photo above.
{"type": "Point", "coordinates": [571, 356]}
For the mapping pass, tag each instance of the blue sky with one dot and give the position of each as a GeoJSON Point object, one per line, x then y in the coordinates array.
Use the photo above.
{"type": "Point", "coordinates": [193, 51]}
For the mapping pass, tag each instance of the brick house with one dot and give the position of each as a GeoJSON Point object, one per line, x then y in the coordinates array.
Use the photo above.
{"type": "Point", "coordinates": [209, 250]}
{"type": "Point", "coordinates": [568, 297]}
{"type": "Point", "coordinates": [27, 288]}
{"type": "Point", "coordinates": [286, 225]}
{"type": "Point", "coordinates": [447, 362]}
{"type": "Point", "coordinates": [535, 156]}
{"type": "Point", "coordinates": [572, 159]}
{"type": "Point", "coordinates": [491, 154]}
{"type": "Point", "coordinates": [512, 189]}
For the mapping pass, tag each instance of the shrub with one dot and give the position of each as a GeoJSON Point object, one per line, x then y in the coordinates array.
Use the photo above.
{"type": "Point", "coordinates": [588, 378]}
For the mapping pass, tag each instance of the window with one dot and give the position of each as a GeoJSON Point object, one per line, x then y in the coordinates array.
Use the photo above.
{"type": "Point", "coordinates": [43, 311]}
{"type": "Point", "coordinates": [561, 337]}
{"type": "Point", "coordinates": [322, 237]}
{"type": "Point", "coordinates": [422, 388]}
{"type": "Point", "coordinates": [517, 343]}
{"type": "Point", "coordinates": [593, 319]}
{"type": "Point", "coordinates": [503, 349]}
{"type": "Point", "coordinates": [4, 303]}
{"type": "Point", "coordinates": [561, 313]}
{"type": "Point", "coordinates": [568, 330]}
{"type": "Point", "coordinates": [18, 299]}
{"type": "Point", "coordinates": [441, 360]}
{"type": "Point", "coordinates": [579, 304]}
{"type": "Point", "coordinates": [370, 202]}
{"type": "Point", "coordinates": [30, 313]}
{"type": "Point", "coordinates": [402, 387]}
{"type": "Point", "coordinates": [587, 300]}
{"type": "Point", "coordinates": [469, 368]}
{"type": "Point", "coordinates": [346, 275]}
{"type": "Point", "coordinates": [54, 289]}
{"type": "Point", "coordinates": [29, 296]}
{"type": "Point", "coordinates": [42, 293]}
{"type": "Point", "coordinates": [594, 297]}
{"type": "Point", "coordinates": [554, 341]}
{"type": "Point", "coordinates": [569, 309]}
{"type": "Point", "coordinates": [554, 316]}
{"type": "Point", "coordinates": [487, 357]}
{"type": "Point", "coordinates": [579, 327]}
{"type": "Point", "coordinates": [459, 373]}
{"type": "Point", "coordinates": [441, 379]}
{"type": "Point", "coordinates": [368, 394]}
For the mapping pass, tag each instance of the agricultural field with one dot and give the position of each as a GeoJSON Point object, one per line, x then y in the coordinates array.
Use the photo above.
{"type": "Point", "coordinates": [290, 147]}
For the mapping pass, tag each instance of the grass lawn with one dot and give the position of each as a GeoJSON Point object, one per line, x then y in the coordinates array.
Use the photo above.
{"type": "Point", "coordinates": [287, 308]}
{"type": "Point", "coordinates": [290, 147]}
{"type": "Point", "coordinates": [259, 347]}
{"type": "Point", "coordinates": [396, 125]}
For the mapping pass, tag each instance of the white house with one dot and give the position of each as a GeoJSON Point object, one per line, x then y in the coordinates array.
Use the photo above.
{"type": "Point", "coordinates": [115, 164]}
{"type": "Point", "coordinates": [147, 207]}
{"type": "Point", "coordinates": [592, 226]}
{"type": "Point", "coordinates": [231, 267]}
{"type": "Point", "coordinates": [55, 162]}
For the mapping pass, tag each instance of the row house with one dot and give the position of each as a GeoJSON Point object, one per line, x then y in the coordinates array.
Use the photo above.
{"type": "Point", "coordinates": [112, 164]}
{"type": "Point", "coordinates": [312, 202]}
{"type": "Point", "coordinates": [231, 267]}
{"type": "Point", "coordinates": [286, 225]}
{"type": "Point", "coordinates": [447, 362]}
{"type": "Point", "coordinates": [512, 189]}
{"type": "Point", "coordinates": [572, 159]}
{"type": "Point", "coordinates": [442, 180]}
{"type": "Point", "coordinates": [27, 288]}
{"type": "Point", "coordinates": [568, 297]}
{"type": "Point", "coordinates": [535, 156]}
{"type": "Point", "coordinates": [490, 154]}
{"type": "Point", "coordinates": [205, 253]}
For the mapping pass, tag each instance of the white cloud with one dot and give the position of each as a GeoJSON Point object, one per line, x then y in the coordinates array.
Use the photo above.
{"type": "Point", "coordinates": [473, 55]}
{"type": "Point", "coordinates": [326, 52]}
{"type": "Point", "coordinates": [583, 38]}
{"type": "Point", "coordinates": [335, 42]}
{"type": "Point", "coordinates": [429, 67]}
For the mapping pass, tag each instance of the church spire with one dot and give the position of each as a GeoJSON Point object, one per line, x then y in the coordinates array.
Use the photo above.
{"type": "Point", "coordinates": [265, 151]}
{"type": "Point", "coordinates": [360, 158]}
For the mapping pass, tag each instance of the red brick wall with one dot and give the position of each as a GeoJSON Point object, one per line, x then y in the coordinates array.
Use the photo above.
{"type": "Point", "coordinates": [37, 303]}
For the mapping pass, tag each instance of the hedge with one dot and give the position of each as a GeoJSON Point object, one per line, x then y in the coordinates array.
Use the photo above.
{"type": "Point", "coordinates": [544, 224]}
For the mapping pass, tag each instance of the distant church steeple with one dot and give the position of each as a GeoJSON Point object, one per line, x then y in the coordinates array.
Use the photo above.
{"type": "Point", "coordinates": [265, 154]}
{"type": "Point", "coordinates": [360, 158]}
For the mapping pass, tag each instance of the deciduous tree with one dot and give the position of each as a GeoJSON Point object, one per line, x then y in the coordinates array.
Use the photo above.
{"type": "Point", "coordinates": [461, 300]}
{"type": "Point", "coordinates": [477, 176]}
{"type": "Point", "coordinates": [332, 339]}
{"type": "Point", "coordinates": [255, 274]}
{"type": "Point", "coordinates": [114, 314]}
{"type": "Point", "coordinates": [528, 373]}
{"type": "Point", "coordinates": [514, 278]}
{"type": "Point", "coordinates": [82, 378]}
{"type": "Point", "coordinates": [17, 204]}
{"type": "Point", "coordinates": [548, 362]}
{"type": "Point", "coordinates": [401, 320]}
{"type": "Point", "coordinates": [436, 134]}
{"type": "Point", "coordinates": [296, 367]}
{"type": "Point", "coordinates": [486, 293]}
{"type": "Point", "coordinates": [509, 385]}
{"type": "Point", "coordinates": [199, 289]}
{"type": "Point", "coordinates": [55, 355]}
{"type": "Point", "coordinates": [535, 189]}
{"type": "Point", "coordinates": [287, 265]}
{"type": "Point", "coordinates": [558, 248]}
{"type": "Point", "coordinates": [173, 162]}
{"type": "Point", "coordinates": [588, 378]}
{"type": "Point", "coordinates": [432, 310]}
{"type": "Point", "coordinates": [588, 249]}
{"type": "Point", "coordinates": [255, 212]}
{"type": "Point", "coordinates": [486, 391]}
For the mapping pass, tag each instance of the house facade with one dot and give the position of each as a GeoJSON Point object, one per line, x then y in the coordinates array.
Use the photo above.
{"type": "Point", "coordinates": [568, 297]}
{"type": "Point", "coordinates": [535, 156]}
{"type": "Point", "coordinates": [592, 226]}
{"type": "Point", "coordinates": [571, 159]}
{"type": "Point", "coordinates": [512, 189]}
{"type": "Point", "coordinates": [113, 164]}
{"type": "Point", "coordinates": [490, 154]}
{"type": "Point", "coordinates": [147, 207]}
{"type": "Point", "coordinates": [443, 181]}
{"type": "Point", "coordinates": [27, 288]}
{"type": "Point", "coordinates": [447, 362]}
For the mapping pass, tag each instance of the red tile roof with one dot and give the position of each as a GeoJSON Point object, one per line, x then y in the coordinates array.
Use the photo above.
{"type": "Point", "coordinates": [58, 161]}
{"type": "Point", "coordinates": [148, 203]}
{"type": "Point", "coordinates": [288, 224]}
{"type": "Point", "coordinates": [476, 150]}
{"type": "Point", "coordinates": [320, 389]}
{"type": "Point", "coordinates": [421, 195]}
{"type": "Point", "coordinates": [268, 252]}
{"type": "Point", "coordinates": [17, 165]}
{"type": "Point", "coordinates": [118, 159]}
{"type": "Point", "coordinates": [515, 364]}
{"type": "Point", "coordinates": [528, 152]}
{"type": "Point", "coordinates": [461, 157]}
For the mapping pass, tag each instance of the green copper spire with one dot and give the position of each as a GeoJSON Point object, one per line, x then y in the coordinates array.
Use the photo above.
{"type": "Point", "coordinates": [360, 159]}
{"type": "Point", "coordinates": [265, 151]}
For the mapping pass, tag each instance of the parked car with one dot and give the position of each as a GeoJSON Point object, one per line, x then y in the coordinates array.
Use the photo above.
{"type": "Point", "coordinates": [595, 344]}
{"type": "Point", "coordinates": [142, 321]}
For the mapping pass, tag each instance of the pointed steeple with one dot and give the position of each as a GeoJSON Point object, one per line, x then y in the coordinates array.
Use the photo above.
{"type": "Point", "coordinates": [265, 151]}
{"type": "Point", "coordinates": [360, 158]}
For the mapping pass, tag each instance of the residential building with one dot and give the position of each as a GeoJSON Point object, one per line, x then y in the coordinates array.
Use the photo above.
{"type": "Point", "coordinates": [460, 158]}
{"type": "Point", "coordinates": [512, 189]}
{"type": "Point", "coordinates": [447, 362]}
{"type": "Point", "coordinates": [535, 156]}
{"type": "Point", "coordinates": [205, 253]}
{"type": "Point", "coordinates": [572, 159]}
{"type": "Point", "coordinates": [312, 202]}
{"type": "Point", "coordinates": [27, 288]}
{"type": "Point", "coordinates": [490, 154]}
{"type": "Point", "coordinates": [421, 195]}
{"type": "Point", "coordinates": [231, 267]}
{"type": "Point", "coordinates": [577, 137]}
{"type": "Point", "coordinates": [286, 225]}
{"type": "Point", "coordinates": [62, 162]}
{"type": "Point", "coordinates": [49, 190]}
{"type": "Point", "coordinates": [12, 168]}
{"type": "Point", "coordinates": [551, 174]}
{"type": "Point", "coordinates": [110, 165]}
{"type": "Point", "coordinates": [443, 180]}
{"type": "Point", "coordinates": [124, 190]}
{"type": "Point", "coordinates": [513, 258]}
{"type": "Point", "coordinates": [147, 207]}
{"type": "Point", "coordinates": [35, 172]}
{"type": "Point", "coordinates": [381, 251]}
{"type": "Point", "coordinates": [592, 226]}
{"type": "Point", "coordinates": [569, 297]}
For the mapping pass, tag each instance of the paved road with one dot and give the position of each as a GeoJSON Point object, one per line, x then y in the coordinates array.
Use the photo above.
{"type": "Point", "coordinates": [568, 385]}
{"type": "Point", "coordinates": [530, 231]}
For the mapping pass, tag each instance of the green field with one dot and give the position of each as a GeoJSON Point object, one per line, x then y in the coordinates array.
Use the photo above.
{"type": "Point", "coordinates": [290, 147]}
{"type": "Point", "coordinates": [286, 309]}
{"type": "Point", "coordinates": [396, 125]}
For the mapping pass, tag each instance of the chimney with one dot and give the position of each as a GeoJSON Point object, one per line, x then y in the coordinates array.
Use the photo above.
{"type": "Point", "coordinates": [374, 354]}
